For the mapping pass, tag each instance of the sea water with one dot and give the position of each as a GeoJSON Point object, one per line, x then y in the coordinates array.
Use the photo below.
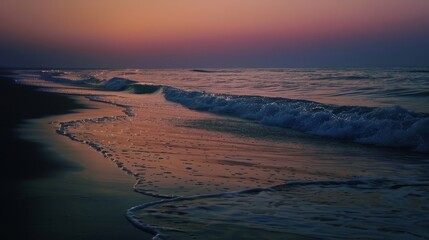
{"type": "Point", "coordinates": [264, 153]}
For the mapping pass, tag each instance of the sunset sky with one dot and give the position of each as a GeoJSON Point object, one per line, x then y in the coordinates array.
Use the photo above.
{"type": "Point", "coordinates": [219, 33]}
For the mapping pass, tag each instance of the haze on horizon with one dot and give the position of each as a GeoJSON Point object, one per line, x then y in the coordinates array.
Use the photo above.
{"type": "Point", "coordinates": [221, 33]}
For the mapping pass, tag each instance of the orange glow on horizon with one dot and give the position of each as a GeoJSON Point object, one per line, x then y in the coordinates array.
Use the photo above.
{"type": "Point", "coordinates": [150, 26]}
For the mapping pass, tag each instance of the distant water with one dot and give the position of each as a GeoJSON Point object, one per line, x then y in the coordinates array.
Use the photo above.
{"type": "Point", "coordinates": [373, 87]}
{"type": "Point", "coordinates": [374, 122]}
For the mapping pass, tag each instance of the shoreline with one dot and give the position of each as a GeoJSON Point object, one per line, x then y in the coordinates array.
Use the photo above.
{"type": "Point", "coordinates": [225, 176]}
{"type": "Point", "coordinates": [54, 187]}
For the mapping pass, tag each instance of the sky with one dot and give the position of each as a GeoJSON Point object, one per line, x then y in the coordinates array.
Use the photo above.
{"type": "Point", "coordinates": [218, 33]}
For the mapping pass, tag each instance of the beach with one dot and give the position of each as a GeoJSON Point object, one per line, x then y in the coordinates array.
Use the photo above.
{"type": "Point", "coordinates": [54, 188]}
{"type": "Point", "coordinates": [214, 120]}
{"type": "Point", "coordinates": [187, 159]}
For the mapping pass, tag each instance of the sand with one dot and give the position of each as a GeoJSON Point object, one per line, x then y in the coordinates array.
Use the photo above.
{"type": "Point", "coordinates": [54, 188]}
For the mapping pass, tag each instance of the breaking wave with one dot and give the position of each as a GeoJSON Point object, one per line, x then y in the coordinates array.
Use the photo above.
{"type": "Point", "coordinates": [381, 126]}
{"type": "Point", "coordinates": [123, 84]}
{"type": "Point", "coordinates": [113, 84]}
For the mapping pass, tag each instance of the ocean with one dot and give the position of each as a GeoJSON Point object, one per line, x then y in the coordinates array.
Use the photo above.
{"type": "Point", "coordinates": [338, 153]}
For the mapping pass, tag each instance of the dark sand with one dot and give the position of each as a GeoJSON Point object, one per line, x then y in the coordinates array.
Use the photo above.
{"type": "Point", "coordinates": [53, 188]}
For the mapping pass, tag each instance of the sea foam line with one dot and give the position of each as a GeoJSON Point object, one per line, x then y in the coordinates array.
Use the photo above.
{"type": "Point", "coordinates": [127, 110]}
{"type": "Point", "coordinates": [360, 183]}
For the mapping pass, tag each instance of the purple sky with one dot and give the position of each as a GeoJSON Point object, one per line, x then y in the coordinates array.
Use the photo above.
{"type": "Point", "coordinates": [221, 33]}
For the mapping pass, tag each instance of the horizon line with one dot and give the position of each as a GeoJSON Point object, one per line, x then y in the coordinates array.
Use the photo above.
{"type": "Point", "coordinates": [202, 68]}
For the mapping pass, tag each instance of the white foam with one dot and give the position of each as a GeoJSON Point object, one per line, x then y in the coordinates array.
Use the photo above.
{"type": "Point", "coordinates": [381, 126]}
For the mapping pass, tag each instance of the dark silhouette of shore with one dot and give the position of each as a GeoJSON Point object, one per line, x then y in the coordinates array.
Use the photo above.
{"type": "Point", "coordinates": [23, 160]}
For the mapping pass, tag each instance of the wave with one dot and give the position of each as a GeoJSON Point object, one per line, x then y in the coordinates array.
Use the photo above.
{"type": "Point", "coordinates": [351, 77]}
{"type": "Point", "coordinates": [123, 84]}
{"type": "Point", "coordinates": [417, 71]}
{"type": "Point", "coordinates": [144, 88]}
{"type": "Point", "coordinates": [381, 126]}
{"type": "Point", "coordinates": [405, 92]}
{"type": "Point", "coordinates": [214, 71]}
{"type": "Point", "coordinates": [117, 84]}
{"type": "Point", "coordinates": [360, 183]}
{"type": "Point", "coordinates": [189, 204]}
{"type": "Point", "coordinates": [113, 84]}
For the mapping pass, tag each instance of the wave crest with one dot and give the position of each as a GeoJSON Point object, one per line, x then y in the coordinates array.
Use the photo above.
{"type": "Point", "coordinates": [123, 84]}
{"type": "Point", "coordinates": [381, 126]}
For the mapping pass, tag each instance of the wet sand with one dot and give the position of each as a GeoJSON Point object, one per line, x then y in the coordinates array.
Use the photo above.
{"type": "Point", "coordinates": [54, 188]}
{"type": "Point", "coordinates": [173, 151]}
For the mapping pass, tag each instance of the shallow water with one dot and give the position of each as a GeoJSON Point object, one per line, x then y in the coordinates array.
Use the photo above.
{"type": "Point", "coordinates": [263, 153]}
{"type": "Point", "coordinates": [355, 209]}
